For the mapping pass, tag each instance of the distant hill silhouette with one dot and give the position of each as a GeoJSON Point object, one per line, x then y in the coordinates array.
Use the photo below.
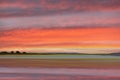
{"type": "Point", "coordinates": [116, 54]}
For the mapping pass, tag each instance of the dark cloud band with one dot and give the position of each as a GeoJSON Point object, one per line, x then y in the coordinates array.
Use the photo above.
{"type": "Point", "coordinates": [42, 7]}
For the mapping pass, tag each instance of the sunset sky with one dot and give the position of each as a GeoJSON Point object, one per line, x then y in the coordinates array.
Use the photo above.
{"type": "Point", "coordinates": [83, 26]}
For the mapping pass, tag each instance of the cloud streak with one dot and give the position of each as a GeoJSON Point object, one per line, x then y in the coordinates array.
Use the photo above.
{"type": "Point", "coordinates": [46, 7]}
{"type": "Point", "coordinates": [98, 37]}
{"type": "Point", "coordinates": [60, 21]}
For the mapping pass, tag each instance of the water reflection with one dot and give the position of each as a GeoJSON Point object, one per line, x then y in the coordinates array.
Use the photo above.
{"type": "Point", "coordinates": [53, 77]}
{"type": "Point", "coordinates": [58, 74]}
{"type": "Point", "coordinates": [58, 57]}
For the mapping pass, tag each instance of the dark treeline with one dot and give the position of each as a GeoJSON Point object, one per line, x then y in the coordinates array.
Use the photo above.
{"type": "Point", "coordinates": [13, 52]}
{"type": "Point", "coordinates": [50, 53]}
{"type": "Point", "coordinates": [27, 53]}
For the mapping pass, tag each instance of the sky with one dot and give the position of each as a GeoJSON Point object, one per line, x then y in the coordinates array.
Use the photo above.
{"type": "Point", "coordinates": [82, 26]}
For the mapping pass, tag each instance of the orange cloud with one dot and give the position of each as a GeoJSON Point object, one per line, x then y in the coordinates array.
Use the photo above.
{"type": "Point", "coordinates": [77, 37]}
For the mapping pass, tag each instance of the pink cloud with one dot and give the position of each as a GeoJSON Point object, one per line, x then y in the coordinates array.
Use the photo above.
{"type": "Point", "coordinates": [38, 7]}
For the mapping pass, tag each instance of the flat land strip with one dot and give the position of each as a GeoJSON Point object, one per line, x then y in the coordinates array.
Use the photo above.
{"type": "Point", "coordinates": [62, 63]}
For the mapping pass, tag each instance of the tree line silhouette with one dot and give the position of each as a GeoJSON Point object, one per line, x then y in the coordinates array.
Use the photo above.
{"type": "Point", "coordinates": [12, 52]}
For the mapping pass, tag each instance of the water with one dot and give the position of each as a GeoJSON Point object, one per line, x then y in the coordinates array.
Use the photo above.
{"type": "Point", "coordinates": [7, 73]}
{"type": "Point", "coordinates": [58, 74]}
{"type": "Point", "coordinates": [58, 56]}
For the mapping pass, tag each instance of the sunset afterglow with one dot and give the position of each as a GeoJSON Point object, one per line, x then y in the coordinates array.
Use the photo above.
{"type": "Point", "coordinates": [60, 26]}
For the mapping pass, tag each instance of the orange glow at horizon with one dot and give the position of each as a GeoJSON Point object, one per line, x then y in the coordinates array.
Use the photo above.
{"type": "Point", "coordinates": [75, 37]}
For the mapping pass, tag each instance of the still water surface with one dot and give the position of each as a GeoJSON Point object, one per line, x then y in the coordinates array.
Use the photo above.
{"type": "Point", "coordinates": [58, 74]}
{"type": "Point", "coordinates": [58, 56]}
{"type": "Point", "coordinates": [7, 73]}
